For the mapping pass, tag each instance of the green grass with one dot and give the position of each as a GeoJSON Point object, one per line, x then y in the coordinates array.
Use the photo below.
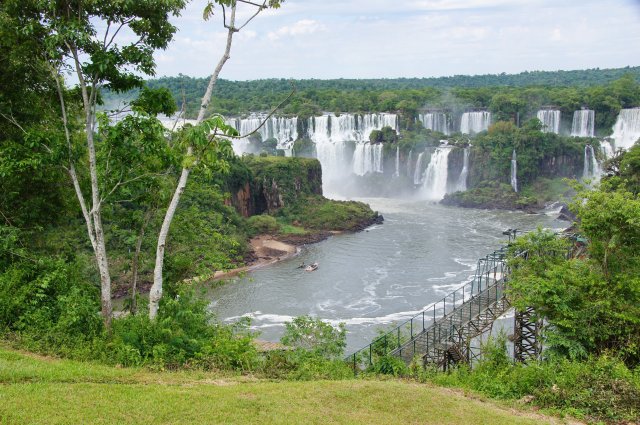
{"type": "Point", "coordinates": [38, 390]}
{"type": "Point", "coordinates": [289, 229]}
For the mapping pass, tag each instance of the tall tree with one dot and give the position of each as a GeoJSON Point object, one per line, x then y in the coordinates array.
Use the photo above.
{"type": "Point", "coordinates": [200, 143]}
{"type": "Point", "coordinates": [89, 39]}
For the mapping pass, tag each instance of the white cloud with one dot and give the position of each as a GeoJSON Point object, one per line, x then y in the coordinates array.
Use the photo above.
{"type": "Point", "coordinates": [302, 27]}
{"type": "Point", "coordinates": [410, 38]}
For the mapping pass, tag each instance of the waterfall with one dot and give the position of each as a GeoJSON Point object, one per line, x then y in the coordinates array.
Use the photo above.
{"type": "Point", "coordinates": [409, 158]}
{"type": "Point", "coordinates": [591, 168]}
{"type": "Point", "coordinates": [514, 171]}
{"type": "Point", "coordinates": [626, 130]}
{"type": "Point", "coordinates": [330, 132]}
{"type": "Point", "coordinates": [435, 182]}
{"type": "Point", "coordinates": [550, 120]}
{"type": "Point", "coordinates": [583, 123]}
{"type": "Point", "coordinates": [367, 158]}
{"type": "Point", "coordinates": [417, 173]}
{"type": "Point", "coordinates": [606, 149]}
{"type": "Point", "coordinates": [436, 121]}
{"type": "Point", "coordinates": [377, 158]}
{"type": "Point", "coordinates": [397, 173]}
{"type": "Point", "coordinates": [461, 186]}
{"type": "Point", "coordinates": [284, 130]}
{"type": "Point", "coordinates": [475, 122]}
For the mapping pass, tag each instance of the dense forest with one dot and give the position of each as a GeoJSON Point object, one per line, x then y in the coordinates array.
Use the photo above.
{"type": "Point", "coordinates": [523, 93]}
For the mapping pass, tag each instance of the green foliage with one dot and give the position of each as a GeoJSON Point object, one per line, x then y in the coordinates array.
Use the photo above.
{"type": "Point", "coordinates": [304, 147]}
{"type": "Point", "coordinates": [288, 179]}
{"type": "Point", "coordinates": [303, 365]}
{"type": "Point", "coordinates": [623, 170]}
{"type": "Point", "coordinates": [385, 135]}
{"type": "Point", "coordinates": [263, 224]}
{"type": "Point", "coordinates": [597, 389]}
{"type": "Point", "coordinates": [45, 301]}
{"type": "Point", "coordinates": [526, 92]}
{"type": "Point", "coordinates": [184, 333]}
{"type": "Point", "coordinates": [203, 216]}
{"type": "Point", "coordinates": [389, 365]}
{"type": "Point", "coordinates": [490, 195]}
{"type": "Point", "coordinates": [314, 212]}
{"type": "Point", "coordinates": [154, 102]}
{"type": "Point", "coordinates": [314, 335]}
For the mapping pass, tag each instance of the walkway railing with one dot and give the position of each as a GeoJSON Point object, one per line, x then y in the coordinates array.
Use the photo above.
{"type": "Point", "coordinates": [436, 322]}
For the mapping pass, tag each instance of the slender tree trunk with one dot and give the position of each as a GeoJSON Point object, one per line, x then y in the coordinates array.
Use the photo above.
{"type": "Point", "coordinates": [92, 218]}
{"type": "Point", "coordinates": [156, 289]}
{"type": "Point", "coordinates": [100, 250]}
{"type": "Point", "coordinates": [136, 261]}
{"type": "Point", "coordinates": [71, 169]}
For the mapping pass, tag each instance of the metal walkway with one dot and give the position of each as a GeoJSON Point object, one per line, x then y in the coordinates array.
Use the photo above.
{"type": "Point", "coordinates": [441, 335]}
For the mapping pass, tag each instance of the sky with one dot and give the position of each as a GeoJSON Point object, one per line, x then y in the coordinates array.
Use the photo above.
{"type": "Point", "coordinates": [408, 38]}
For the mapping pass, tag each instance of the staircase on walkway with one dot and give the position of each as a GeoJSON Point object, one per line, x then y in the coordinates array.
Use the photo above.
{"type": "Point", "coordinates": [442, 334]}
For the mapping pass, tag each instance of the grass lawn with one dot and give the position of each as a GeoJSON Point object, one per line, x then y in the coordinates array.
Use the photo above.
{"type": "Point", "coordinates": [39, 390]}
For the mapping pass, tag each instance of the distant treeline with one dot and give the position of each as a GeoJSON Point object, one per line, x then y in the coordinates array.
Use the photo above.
{"type": "Point", "coordinates": [511, 93]}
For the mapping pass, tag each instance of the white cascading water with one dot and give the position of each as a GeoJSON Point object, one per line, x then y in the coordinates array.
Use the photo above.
{"type": "Point", "coordinates": [606, 149]}
{"type": "Point", "coordinates": [367, 158]}
{"type": "Point", "coordinates": [461, 186]}
{"type": "Point", "coordinates": [550, 120]}
{"type": "Point", "coordinates": [475, 122]}
{"type": "Point", "coordinates": [397, 173]}
{"type": "Point", "coordinates": [409, 158]}
{"type": "Point", "coordinates": [330, 132]}
{"type": "Point", "coordinates": [583, 123]}
{"type": "Point", "coordinates": [514, 171]}
{"type": "Point", "coordinates": [435, 181]}
{"type": "Point", "coordinates": [626, 130]}
{"type": "Point", "coordinates": [417, 173]}
{"type": "Point", "coordinates": [284, 130]}
{"type": "Point", "coordinates": [591, 169]}
{"type": "Point", "coordinates": [436, 121]}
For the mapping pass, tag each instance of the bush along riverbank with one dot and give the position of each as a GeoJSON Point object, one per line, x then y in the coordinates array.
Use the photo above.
{"type": "Point", "coordinates": [496, 195]}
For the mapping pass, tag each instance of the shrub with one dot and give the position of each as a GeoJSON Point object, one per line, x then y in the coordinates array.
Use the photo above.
{"type": "Point", "coordinates": [263, 224]}
{"type": "Point", "coordinates": [314, 335]}
{"type": "Point", "coordinates": [48, 305]}
{"type": "Point", "coordinates": [304, 365]}
{"type": "Point", "coordinates": [184, 333]}
{"type": "Point", "coordinates": [598, 389]}
{"type": "Point", "coordinates": [390, 365]}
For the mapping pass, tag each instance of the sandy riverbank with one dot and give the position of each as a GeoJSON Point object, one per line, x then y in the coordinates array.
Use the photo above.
{"type": "Point", "coordinates": [266, 249]}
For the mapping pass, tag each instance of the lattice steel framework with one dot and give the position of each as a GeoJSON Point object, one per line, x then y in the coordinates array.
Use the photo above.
{"type": "Point", "coordinates": [526, 336]}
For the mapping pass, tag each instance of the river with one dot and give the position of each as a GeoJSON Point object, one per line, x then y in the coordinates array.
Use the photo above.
{"type": "Point", "coordinates": [375, 278]}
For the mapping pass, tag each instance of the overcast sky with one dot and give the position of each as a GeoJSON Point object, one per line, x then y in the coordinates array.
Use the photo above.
{"type": "Point", "coordinates": [409, 38]}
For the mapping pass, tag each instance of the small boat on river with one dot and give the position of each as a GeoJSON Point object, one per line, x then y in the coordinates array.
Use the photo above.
{"type": "Point", "coordinates": [311, 267]}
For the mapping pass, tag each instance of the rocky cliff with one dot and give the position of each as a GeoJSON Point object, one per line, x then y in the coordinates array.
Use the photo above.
{"type": "Point", "coordinates": [274, 183]}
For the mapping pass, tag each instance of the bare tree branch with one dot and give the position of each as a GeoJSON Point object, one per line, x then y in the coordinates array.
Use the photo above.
{"type": "Point", "coordinates": [106, 33]}
{"type": "Point", "coordinates": [122, 24]}
{"type": "Point", "coordinates": [13, 121]}
{"type": "Point", "coordinates": [122, 183]}
{"type": "Point", "coordinates": [261, 6]}
{"type": "Point", "coordinates": [260, 9]}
